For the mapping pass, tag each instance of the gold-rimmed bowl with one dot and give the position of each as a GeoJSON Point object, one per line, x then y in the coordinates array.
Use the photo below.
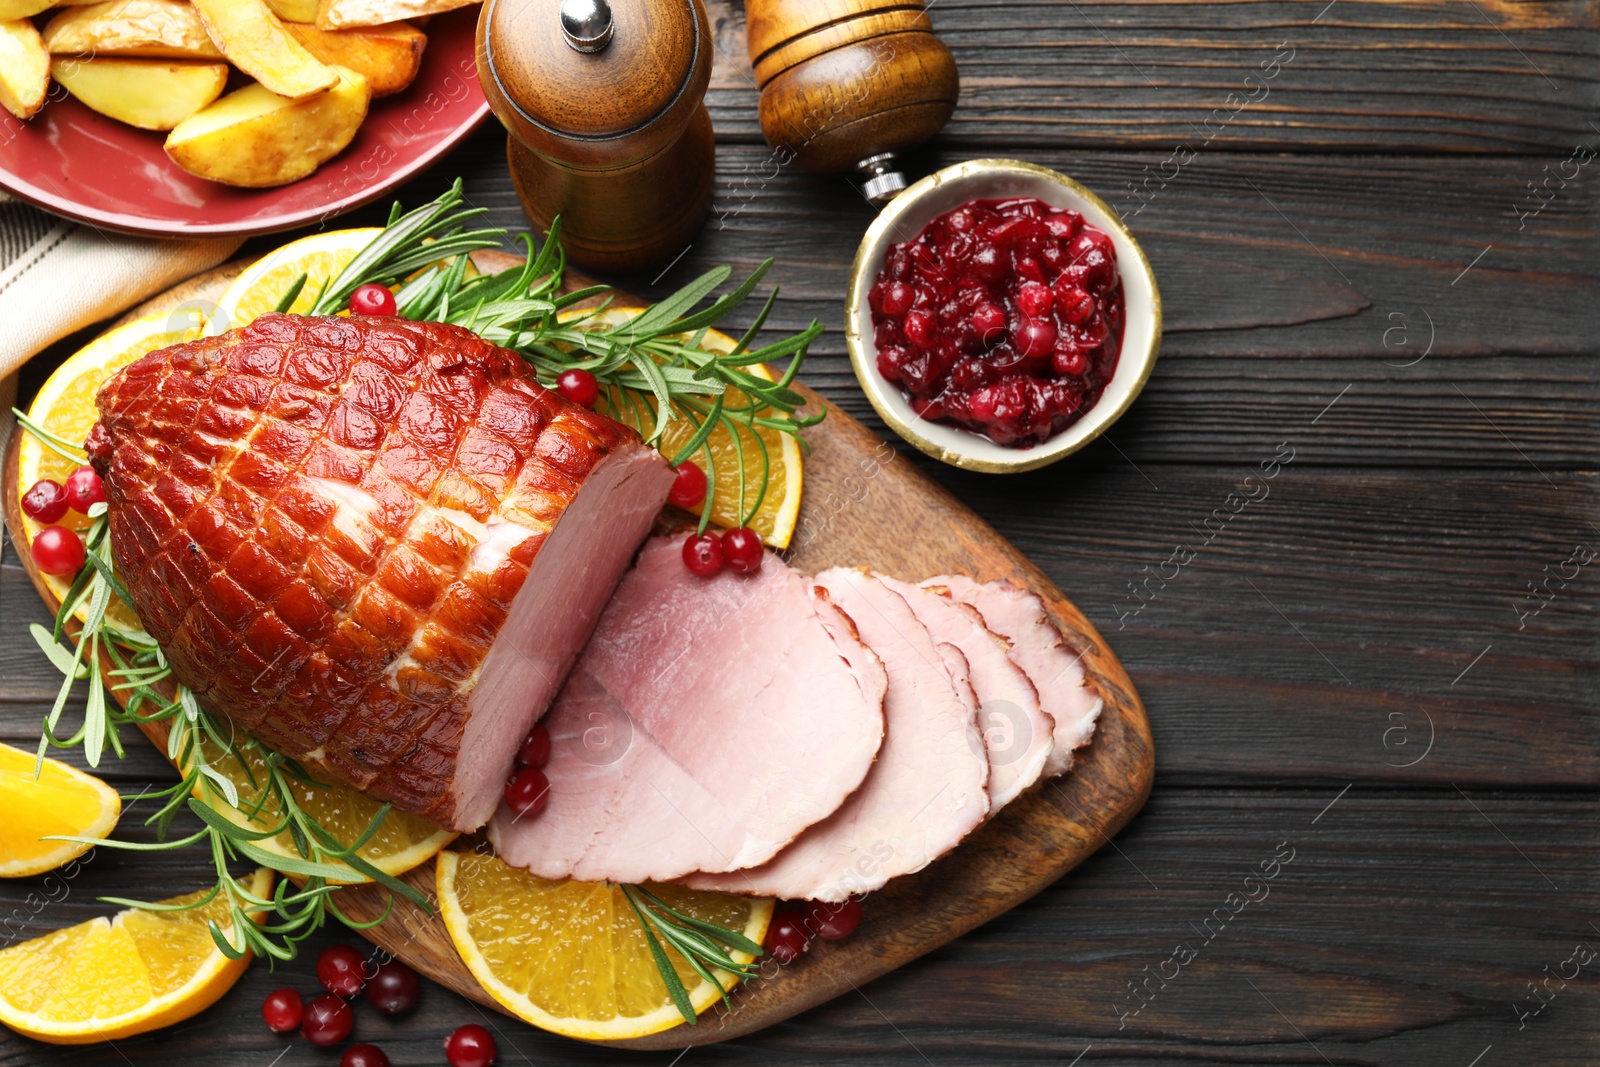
{"type": "Point", "coordinates": [990, 179]}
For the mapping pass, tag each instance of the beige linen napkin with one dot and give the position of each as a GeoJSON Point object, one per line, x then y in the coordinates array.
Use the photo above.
{"type": "Point", "coordinates": [58, 276]}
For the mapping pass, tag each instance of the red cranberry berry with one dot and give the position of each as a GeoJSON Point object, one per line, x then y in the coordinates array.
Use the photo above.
{"type": "Point", "coordinates": [470, 1046]}
{"type": "Point", "coordinates": [394, 988]}
{"type": "Point", "coordinates": [364, 1055]}
{"type": "Point", "coordinates": [372, 299]}
{"type": "Point", "coordinates": [281, 1010]}
{"type": "Point", "coordinates": [988, 322]}
{"type": "Point", "coordinates": [1034, 337]}
{"type": "Point", "coordinates": [834, 922]}
{"type": "Point", "coordinates": [689, 487]}
{"type": "Point", "coordinates": [341, 970]}
{"type": "Point", "coordinates": [741, 550]}
{"type": "Point", "coordinates": [1070, 362]}
{"type": "Point", "coordinates": [787, 937]}
{"type": "Point", "coordinates": [919, 328]}
{"type": "Point", "coordinates": [46, 502]}
{"type": "Point", "coordinates": [1077, 306]}
{"type": "Point", "coordinates": [1034, 300]}
{"type": "Point", "coordinates": [328, 1021]}
{"type": "Point", "coordinates": [527, 791]}
{"type": "Point", "coordinates": [57, 550]}
{"type": "Point", "coordinates": [897, 299]}
{"type": "Point", "coordinates": [703, 554]}
{"type": "Point", "coordinates": [84, 490]}
{"type": "Point", "coordinates": [535, 751]}
{"type": "Point", "coordinates": [579, 386]}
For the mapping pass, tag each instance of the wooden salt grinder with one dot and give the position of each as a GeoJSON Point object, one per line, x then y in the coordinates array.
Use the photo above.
{"type": "Point", "coordinates": [847, 83]}
{"type": "Point", "coordinates": [608, 127]}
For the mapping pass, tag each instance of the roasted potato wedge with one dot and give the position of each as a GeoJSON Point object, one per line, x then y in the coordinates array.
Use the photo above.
{"type": "Point", "coordinates": [344, 14]}
{"type": "Point", "coordinates": [152, 94]}
{"type": "Point", "coordinates": [254, 40]}
{"type": "Point", "coordinates": [256, 138]}
{"type": "Point", "coordinates": [387, 56]}
{"type": "Point", "coordinates": [11, 10]}
{"type": "Point", "coordinates": [158, 29]}
{"type": "Point", "coordinates": [294, 10]}
{"type": "Point", "coordinates": [24, 68]}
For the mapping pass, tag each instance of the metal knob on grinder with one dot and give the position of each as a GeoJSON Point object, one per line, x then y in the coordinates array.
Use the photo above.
{"type": "Point", "coordinates": [848, 83]}
{"type": "Point", "coordinates": [604, 104]}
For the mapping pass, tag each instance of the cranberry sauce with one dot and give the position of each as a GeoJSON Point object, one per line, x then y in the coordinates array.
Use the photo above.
{"type": "Point", "coordinates": [1003, 316]}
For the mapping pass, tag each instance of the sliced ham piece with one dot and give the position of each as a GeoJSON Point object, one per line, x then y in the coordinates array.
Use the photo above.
{"type": "Point", "coordinates": [1017, 733]}
{"type": "Point", "coordinates": [924, 794]}
{"type": "Point", "coordinates": [377, 545]}
{"type": "Point", "coordinates": [1036, 646]}
{"type": "Point", "coordinates": [706, 725]}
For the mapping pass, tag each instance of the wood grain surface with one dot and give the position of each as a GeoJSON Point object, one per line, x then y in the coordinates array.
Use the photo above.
{"type": "Point", "coordinates": [1378, 665]}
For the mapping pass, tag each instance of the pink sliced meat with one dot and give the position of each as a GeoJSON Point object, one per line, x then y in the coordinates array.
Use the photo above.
{"type": "Point", "coordinates": [707, 723]}
{"type": "Point", "coordinates": [1036, 646]}
{"type": "Point", "coordinates": [1017, 733]}
{"type": "Point", "coordinates": [924, 794]}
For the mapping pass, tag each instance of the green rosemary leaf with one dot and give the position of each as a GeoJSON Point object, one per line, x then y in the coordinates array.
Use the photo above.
{"type": "Point", "coordinates": [63, 661]}
{"type": "Point", "coordinates": [136, 846]}
{"type": "Point", "coordinates": [229, 790]}
{"type": "Point", "coordinates": [662, 317]}
{"type": "Point", "coordinates": [94, 712]}
{"type": "Point", "coordinates": [354, 924]}
{"type": "Point", "coordinates": [291, 294]}
{"type": "Point", "coordinates": [724, 304]}
{"type": "Point", "coordinates": [732, 938]}
{"type": "Point", "coordinates": [68, 608]}
{"type": "Point", "coordinates": [230, 830]}
{"type": "Point", "coordinates": [699, 437]}
{"type": "Point", "coordinates": [669, 973]}
{"type": "Point", "coordinates": [59, 445]}
{"type": "Point", "coordinates": [145, 905]}
{"type": "Point", "coordinates": [288, 864]}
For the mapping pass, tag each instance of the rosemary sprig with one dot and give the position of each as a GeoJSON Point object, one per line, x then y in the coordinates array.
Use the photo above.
{"type": "Point", "coordinates": [703, 945]}
{"type": "Point", "coordinates": [654, 366]}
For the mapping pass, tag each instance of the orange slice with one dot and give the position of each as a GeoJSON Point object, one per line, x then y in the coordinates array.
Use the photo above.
{"type": "Point", "coordinates": [61, 802]}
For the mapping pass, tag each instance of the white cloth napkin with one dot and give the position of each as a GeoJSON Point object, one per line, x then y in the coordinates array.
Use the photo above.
{"type": "Point", "coordinates": [58, 276]}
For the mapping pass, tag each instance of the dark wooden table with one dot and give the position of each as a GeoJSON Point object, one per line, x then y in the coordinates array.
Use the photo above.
{"type": "Point", "coordinates": [1385, 668]}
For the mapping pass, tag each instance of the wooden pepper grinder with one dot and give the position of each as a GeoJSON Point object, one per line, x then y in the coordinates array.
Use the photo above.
{"type": "Point", "coordinates": [847, 83]}
{"type": "Point", "coordinates": [608, 127]}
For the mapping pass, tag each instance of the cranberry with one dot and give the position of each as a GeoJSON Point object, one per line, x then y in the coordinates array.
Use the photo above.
{"type": "Point", "coordinates": [1077, 306]}
{"type": "Point", "coordinates": [1070, 362]}
{"type": "Point", "coordinates": [918, 328]}
{"type": "Point", "coordinates": [372, 299]}
{"type": "Point", "coordinates": [988, 322]}
{"type": "Point", "coordinates": [834, 922]}
{"type": "Point", "coordinates": [84, 490]}
{"type": "Point", "coordinates": [281, 1010]}
{"type": "Point", "coordinates": [578, 386]}
{"type": "Point", "coordinates": [1034, 337]}
{"type": "Point", "coordinates": [57, 550]}
{"type": "Point", "coordinates": [527, 791]}
{"type": "Point", "coordinates": [364, 1055]}
{"type": "Point", "coordinates": [1034, 300]}
{"type": "Point", "coordinates": [470, 1046]}
{"type": "Point", "coordinates": [741, 550]}
{"type": "Point", "coordinates": [988, 264]}
{"type": "Point", "coordinates": [897, 297]}
{"type": "Point", "coordinates": [341, 970]}
{"type": "Point", "coordinates": [787, 938]}
{"type": "Point", "coordinates": [689, 487]}
{"type": "Point", "coordinates": [703, 554]}
{"type": "Point", "coordinates": [535, 751]}
{"type": "Point", "coordinates": [328, 1021]}
{"type": "Point", "coordinates": [46, 502]}
{"type": "Point", "coordinates": [394, 987]}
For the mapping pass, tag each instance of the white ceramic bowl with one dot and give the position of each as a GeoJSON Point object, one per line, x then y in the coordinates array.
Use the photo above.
{"type": "Point", "coordinates": [943, 191]}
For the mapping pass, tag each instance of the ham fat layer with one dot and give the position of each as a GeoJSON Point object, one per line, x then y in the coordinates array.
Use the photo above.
{"type": "Point", "coordinates": [706, 725]}
{"type": "Point", "coordinates": [375, 544]}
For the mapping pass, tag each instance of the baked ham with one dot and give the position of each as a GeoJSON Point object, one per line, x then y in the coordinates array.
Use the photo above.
{"type": "Point", "coordinates": [926, 791]}
{"type": "Point", "coordinates": [1035, 645]}
{"type": "Point", "coordinates": [377, 545]}
{"type": "Point", "coordinates": [707, 724]}
{"type": "Point", "coordinates": [1017, 734]}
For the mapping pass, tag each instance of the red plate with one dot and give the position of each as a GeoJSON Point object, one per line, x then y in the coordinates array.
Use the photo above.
{"type": "Point", "coordinates": [88, 167]}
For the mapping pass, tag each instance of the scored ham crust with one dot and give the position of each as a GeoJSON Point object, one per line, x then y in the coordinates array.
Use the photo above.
{"type": "Point", "coordinates": [377, 545]}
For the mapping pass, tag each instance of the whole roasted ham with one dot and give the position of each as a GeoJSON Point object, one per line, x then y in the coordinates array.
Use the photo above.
{"type": "Point", "coordinates": [377, 545]}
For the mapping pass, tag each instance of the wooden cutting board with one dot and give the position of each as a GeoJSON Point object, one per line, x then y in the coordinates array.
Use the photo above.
{"type": "Point", "coordinates": [864, 504]}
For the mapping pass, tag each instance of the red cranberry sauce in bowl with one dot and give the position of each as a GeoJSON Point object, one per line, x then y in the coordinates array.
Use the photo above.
{"type": "Point", "coordinates": [1001, 316]}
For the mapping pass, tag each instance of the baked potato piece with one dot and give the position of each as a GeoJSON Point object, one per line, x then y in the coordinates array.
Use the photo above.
{"type": "Point", "coordinates": [157, 29]}
{"type": "Point", "coordinates": [11, 10]}
{"type": "Point", "coordinates": [24, 68]}
{"type": "Point", "coordinates": [344, 14]}
{"type": "Point", "coordinates": [254, 40]}
{"type": "Point", "coordinates": [256, 138]}
{"type": "Point", "coordinates": [387, 56]}
{"type": "Point", "coordinates": [152, 94]}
